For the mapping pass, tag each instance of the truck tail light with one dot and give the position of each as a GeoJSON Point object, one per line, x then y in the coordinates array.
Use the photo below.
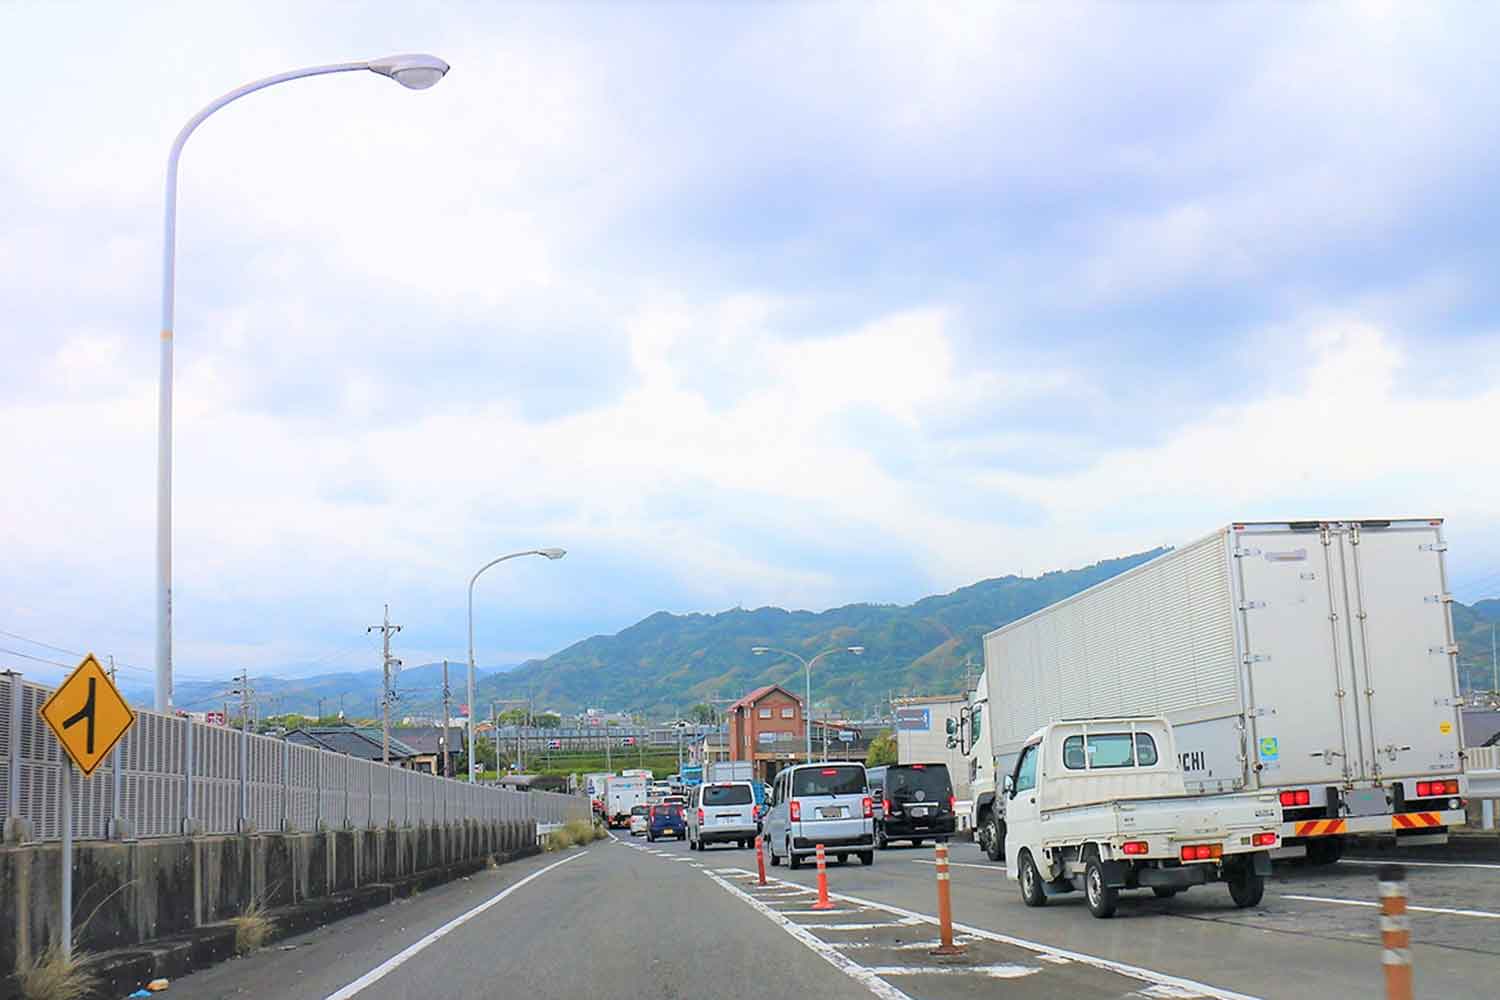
{"type": "Point", "coordinates": [795, 809]}
{"type": "Point", "coordinates": [700, 817]}
{"type": "Point", "coordinates": [1264, 840]}
{"type": "Point", "coordinates": [953, 803]}
{"type": "Point", "coordinates": [1134, 847]}
{"type": "Point", "coordinates": [869, 807]}
{"type": "Point", "coordinates": [1202, 852]}
{"type": "Point", "coordinates": [1300, 797]}
{"type": "Point", "coordinates": [1426, 789]}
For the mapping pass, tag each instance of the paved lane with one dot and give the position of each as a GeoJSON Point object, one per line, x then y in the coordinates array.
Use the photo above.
{"type": "Point", "coordinates": [1287, 947]}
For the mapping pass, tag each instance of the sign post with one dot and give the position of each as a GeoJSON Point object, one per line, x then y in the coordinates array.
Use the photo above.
{"type": "Point", "coordinates": [89, 717]}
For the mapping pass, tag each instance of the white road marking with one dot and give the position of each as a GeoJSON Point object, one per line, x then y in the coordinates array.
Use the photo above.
{"type": "Point", "coordinates": [992, 971]}
{"type": "Point", "coordinates": [1045, 950]}
{"type": "Point", "coordinates": [960, 864]}
{"type": "Point", "coordinates": [391, 964]}
{"type": "Point", "coordinates": [1420, 864]}
{"type": "Point", "coordinates": [859, 927]}
{"type": "Point", "coordinates": [822, 949]}
{"type": "Point", "coordinates": [1486, 914]}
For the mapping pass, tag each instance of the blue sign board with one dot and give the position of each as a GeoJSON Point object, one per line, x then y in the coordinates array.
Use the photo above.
{"type": "Point", "coordinates": [914, 720]}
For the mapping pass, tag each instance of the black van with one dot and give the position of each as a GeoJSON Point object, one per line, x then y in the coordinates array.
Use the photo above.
{"type": "Point", "coordinates": [912, 802]}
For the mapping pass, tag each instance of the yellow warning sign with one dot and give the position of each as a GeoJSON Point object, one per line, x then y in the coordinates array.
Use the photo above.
{"type": "Point", "coordinates": [88, 715]}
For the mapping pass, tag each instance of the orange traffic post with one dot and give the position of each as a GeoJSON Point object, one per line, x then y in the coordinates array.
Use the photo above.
{"type": "Point", "coordinates": [823, 903]}
{"type": "Point", "coordinates": [945, 905]}
{"type": "Point", "coordinates": [1395, 932]}
{"type": "Point", "coordinates": [760, 857]}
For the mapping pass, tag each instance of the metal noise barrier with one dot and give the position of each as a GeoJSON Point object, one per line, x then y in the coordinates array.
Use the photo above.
{"type": "Point", "coordinates": [1395, 932]}
{"type": "Point", "coordinates": [171, 775]}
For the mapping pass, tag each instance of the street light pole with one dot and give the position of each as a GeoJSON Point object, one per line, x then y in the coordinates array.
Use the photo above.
{"type": "Point", "coordinates": [548, 553]}
{"type": "Point", "coordinates": [807, 666]}
{"type": "Point", "coordinates": [415, 72]}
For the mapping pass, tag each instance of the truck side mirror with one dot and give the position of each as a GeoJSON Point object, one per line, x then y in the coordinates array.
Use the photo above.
{"type": "Point", "coordinates": [952, 741]}
{"type": "Point", "coordinates": [952, 727]}
{"type": "Point", "coordinates": [1010, 786]}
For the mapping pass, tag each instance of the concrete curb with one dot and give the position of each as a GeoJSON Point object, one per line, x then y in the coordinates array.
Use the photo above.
{"type": "Point", "coordinates": [128, 969]}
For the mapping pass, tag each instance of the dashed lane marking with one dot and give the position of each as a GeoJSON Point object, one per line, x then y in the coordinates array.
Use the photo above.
{"type": "Point", "coordinates": [1189, 987]}
{"type": "Point", "coordinates": [822, 949]}
{"type": "Point", "coordinates": [1484, 914]}
{"type": "Point", "coordinates": [992, 971]}
{"type": "Point", "coordinates": [1421, 864]}
{"type": "Point", "coordinates": [861, 926]}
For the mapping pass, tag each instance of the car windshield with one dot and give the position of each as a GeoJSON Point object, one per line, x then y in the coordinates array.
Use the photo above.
{"type": "Point", "coordinates": [927, 782]}
{"type": "Point", "coordinates": [638, 811]}
{"type": "Point", "coordinates": [727, 795]}
{"type": "Point", "coordinates": [832, 779]}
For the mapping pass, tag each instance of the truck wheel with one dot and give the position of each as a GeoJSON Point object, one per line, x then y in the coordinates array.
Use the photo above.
{"type": "Point", "coordinates": [994, 843]}
{"type": "Point", "coordinates": [1102, 898]}
{"type": "Point", "coordinates": [1164, 891]}
{"type": "Point", "coordinates": [867, 858]}
{"type": "Point", "coordinates": [1324, 850]}
{"type": "Point", "coordinates": [916, 841]}
{"type": "Point", "coordinates": [843, 859]}
{"type": "Point", "coordinates": [1246, 888]}
{"type": "Point", "coordinates": [792, 861]}
{"type": "Point", "coordinates": [1032, 893]}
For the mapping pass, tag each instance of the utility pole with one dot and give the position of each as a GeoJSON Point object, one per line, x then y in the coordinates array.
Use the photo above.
{"type": "Point", "coordinates": [443, 743]}
{"type": "Point", "coordinates": [320, 709]}
{"type": "Point", "coordinates": [243, 680]}
{"type": "Point", "coordinates": [1494, 663]}
{"type": "Point", "coordinates": [386, 662]}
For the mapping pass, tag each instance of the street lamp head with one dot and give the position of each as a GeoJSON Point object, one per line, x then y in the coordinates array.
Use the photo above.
{"type": "Point", "coordinates": [857, 650]}
{"type": "Point", "coordinates": [413, 71]}
{"type": "Point", "coordinates": [552, 553]}
{"type": "Point", "coordinates": [757, 650]}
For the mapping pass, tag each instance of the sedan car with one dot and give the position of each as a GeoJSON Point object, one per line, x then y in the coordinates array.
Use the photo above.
{"type": "Point", "coordinates": [640, 821]}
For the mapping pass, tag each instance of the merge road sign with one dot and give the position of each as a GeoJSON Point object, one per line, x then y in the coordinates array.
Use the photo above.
{"type": "Point", "coordinates": [88, 715]}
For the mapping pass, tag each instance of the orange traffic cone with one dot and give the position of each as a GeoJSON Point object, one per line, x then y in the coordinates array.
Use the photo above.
{"type": "Point", "coordinates": [823, 903]}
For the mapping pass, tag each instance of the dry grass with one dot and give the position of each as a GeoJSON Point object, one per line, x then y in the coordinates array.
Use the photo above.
{"type": "Point", "coordinates": [584, 831]}
{"type": "Point", "coordinates": [557, 840]}
{"type": "Point", "coordinates": [53, 976]}
{"type": "Point", "coordinates": [251, 929]}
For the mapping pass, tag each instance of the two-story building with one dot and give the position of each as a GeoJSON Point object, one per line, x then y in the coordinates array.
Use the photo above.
{"type": "Point", "coordinates": [767, 726]}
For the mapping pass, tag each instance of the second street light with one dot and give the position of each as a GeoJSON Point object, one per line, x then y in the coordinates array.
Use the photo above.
{"type": "Point", "coordinates": [548, 553]}
{"type": "Point", "coordinates": [807, 665]}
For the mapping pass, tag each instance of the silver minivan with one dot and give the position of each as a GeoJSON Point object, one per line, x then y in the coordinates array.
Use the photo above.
{"type": "Point", "coordinates": [826, 804]}
{"type": "Point", "coordinates": [722, 812]}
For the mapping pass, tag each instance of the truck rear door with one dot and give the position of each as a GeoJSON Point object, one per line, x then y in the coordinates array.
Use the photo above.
{"type": "Point", "coordinates": [1402, 639]}
{"type": "Point", "coordinates": [1303, 728]}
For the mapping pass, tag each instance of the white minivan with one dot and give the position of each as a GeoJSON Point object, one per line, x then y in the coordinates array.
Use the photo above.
{"type": "Point", "coordinates": [723, 812]}
{"type": "Point", "coordinates": [826, 804]}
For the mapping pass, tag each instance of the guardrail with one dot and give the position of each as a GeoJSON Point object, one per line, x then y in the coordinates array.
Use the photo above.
{"type": "Point", "coordinates": [171, 776]}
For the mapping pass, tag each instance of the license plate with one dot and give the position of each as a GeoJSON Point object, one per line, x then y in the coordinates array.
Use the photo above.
{"type": "Point", "coordinates": [919, 810]}
{"type": "Point", "coordinates": [831, 812]}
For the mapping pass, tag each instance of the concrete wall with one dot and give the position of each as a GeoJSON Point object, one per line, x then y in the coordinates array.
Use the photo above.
{"type": "Point", "coordinates": [132, 892]}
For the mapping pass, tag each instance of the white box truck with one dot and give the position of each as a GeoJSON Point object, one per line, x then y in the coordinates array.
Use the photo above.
{"type": "Point", "coordinates": [622, 794]}
{"type": "Point", "coordinates": [1312, 658]}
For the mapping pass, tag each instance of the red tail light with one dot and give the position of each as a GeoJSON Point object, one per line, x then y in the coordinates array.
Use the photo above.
{"type": "Point", "coordinates": [1201, 852]}
{"type": "Point", "coordinates": [1429, 788]}
{"type": "Point", "coordinates": [953, 803]}
{"type": "Point", "coordinates": [755, 812]}
{"type": "Point", "coordinates": [1134, 847]}
{"type": "Point", "coordinates": [1300, 797]}
{"type": "Point", "coordinates": [700, 817]}
{"type": "Point", "coordinates": [888, 806]}
{"type": "Point", "coordinates": [1264, 840]}
{"type": "Point", "coordinates": [869, 807]}
{"type": "Point", "coordinates": [795, 809]}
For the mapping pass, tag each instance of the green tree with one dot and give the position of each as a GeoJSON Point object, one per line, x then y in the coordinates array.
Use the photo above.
{"type": "Point", "coordinates": [701, 713]}
{"type": "Point", "coordinates": [882, 750]}
{"type": "Point", "coordinates": [547, 720]}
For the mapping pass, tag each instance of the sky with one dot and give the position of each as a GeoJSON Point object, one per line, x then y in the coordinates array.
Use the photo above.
{"type": "Point", "coordinates": [742, 304]}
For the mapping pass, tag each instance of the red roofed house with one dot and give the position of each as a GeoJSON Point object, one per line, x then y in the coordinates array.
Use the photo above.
{"type": "Point", "coordinates": [766, 726]}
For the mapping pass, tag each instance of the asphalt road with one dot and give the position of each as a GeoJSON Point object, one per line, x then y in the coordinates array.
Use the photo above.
{"type": "Point", "coordinates": [623, 917]}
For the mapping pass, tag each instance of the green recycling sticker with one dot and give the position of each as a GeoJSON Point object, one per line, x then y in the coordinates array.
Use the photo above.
{"type": "Point", "coordinates": [1269, 748]}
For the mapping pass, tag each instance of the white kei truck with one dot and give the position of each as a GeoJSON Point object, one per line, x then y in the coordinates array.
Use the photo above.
{"type": "Point", "coordinates": [1313, 659]}
{"type": "Point", "coordinates": [1101, 805]}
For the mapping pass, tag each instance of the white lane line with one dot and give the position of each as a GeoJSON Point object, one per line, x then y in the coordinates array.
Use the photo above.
{"type": "Point", "coordinates": [859, 927]}
{"type": "Point", "coordinates": [822, 949]}
{"type": "Point", "coordinates": [1486, 914]}
{"type": "Point", "coordinates": [1046, 950]}
{"type": "Point", "coordinates": [391, 964]}
{"type": "Point", "coordinates": [910, 946]}
{"type": "Point", "coordinates": [960, 864]}
{"type": "Point", "coordinates": [1420, 864]}
{"type": "Point", "coordinates": [992, 971]}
